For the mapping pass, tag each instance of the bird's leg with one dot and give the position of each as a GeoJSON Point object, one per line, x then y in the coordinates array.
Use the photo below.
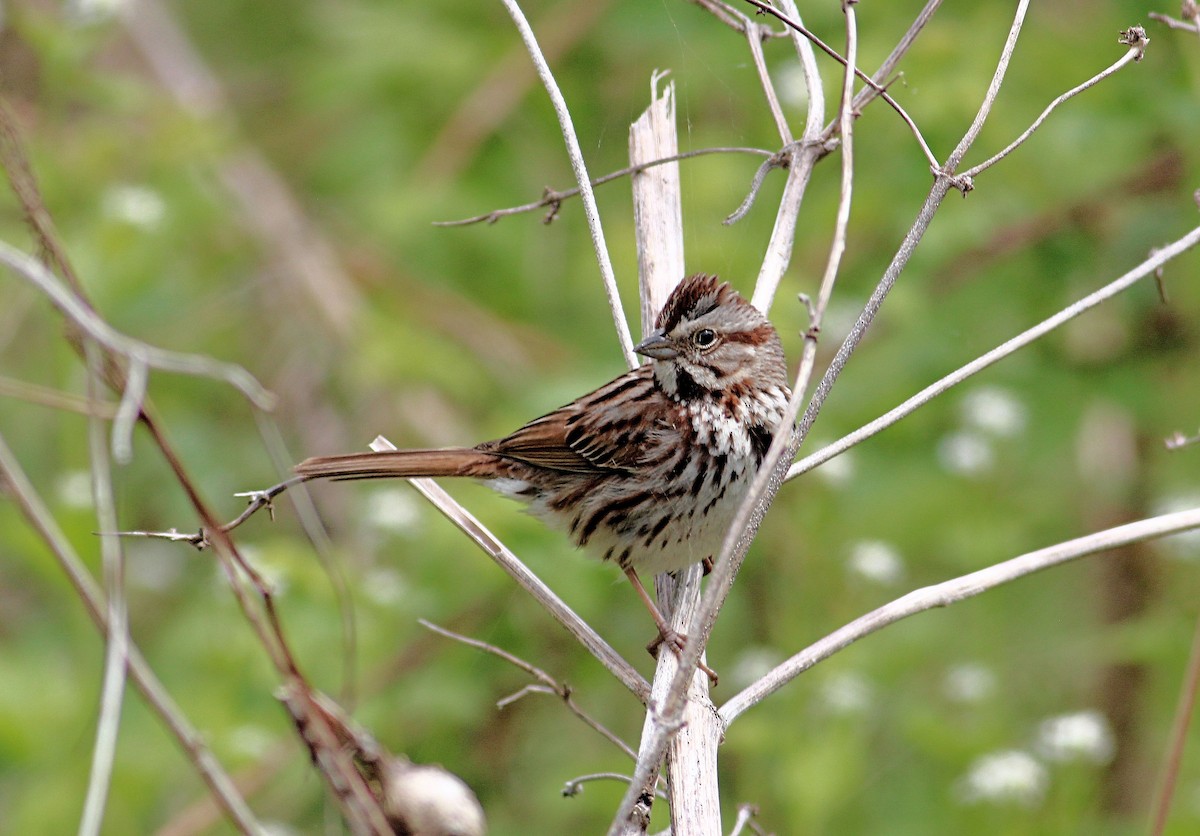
{"type": "Point", "coordinates": [666, 635]}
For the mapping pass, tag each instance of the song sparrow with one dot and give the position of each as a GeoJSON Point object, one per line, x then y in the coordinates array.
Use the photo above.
{"type": "Point", "coordinates": [649, 469]}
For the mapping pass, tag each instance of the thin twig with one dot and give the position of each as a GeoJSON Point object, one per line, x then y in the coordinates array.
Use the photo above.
{"type": "Point", "coordinates": [54, 398]}
{"type": "Point", "coordinates": [190, 739]}
{"type": "Point", "coordinates": [590, 210]}
{"type": "Point", "coordinates": [553, 198]}
{"type": "Point", "coordinates": [574, 787]}
{"type": "Point", "coordinates": [1173, 23]}
{"type": "Point", "coordinates": [83, 323]}
{"type": "Point", "coordinates": [943, 182]}
{"type": "Point", "coordinates": [82, 315]}
{"type": "Point", "coordinates": [745, 819]}
{"type": "Point", "coordinates": [1146, 268]}
{"type": "Point", "coordinates": [530, 582]}
{"type": "Point", "coordinates": [778, 253]}
{"type": "Point", "coordinates": [559, 689]}
{"type": "Point", "coordinates": [871, 91]}
{"type": "Point", "coordinates": [117, 641]}
{"type": "Point", "coordinates": [953, 591]}
{"type": "Point", "coordinates": [794, 23]}
{"type": "Point", "coordinates": [1137, 41]}
{"type": "Point", "coordinates": [736, 19]}
{"type": "Point", "coordinates": [479, 534]}
{"type": "Point", "coordinates": [1186, 706]}
{"type": "Point", "coordinates": [989, 98]}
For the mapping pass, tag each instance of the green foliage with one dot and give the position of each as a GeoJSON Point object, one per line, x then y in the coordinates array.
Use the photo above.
{"type": "Point", "coordinates": [460, 334]}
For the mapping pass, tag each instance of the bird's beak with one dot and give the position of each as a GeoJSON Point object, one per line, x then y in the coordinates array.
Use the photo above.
{"type": "Point", "coordinates": [656, 347]}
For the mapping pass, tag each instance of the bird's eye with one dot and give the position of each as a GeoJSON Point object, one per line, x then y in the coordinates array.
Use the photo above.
{"type": "Point", "coordinates": [705, 337]}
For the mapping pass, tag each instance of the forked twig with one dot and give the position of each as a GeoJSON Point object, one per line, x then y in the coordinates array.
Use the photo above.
{"type": "Point", "coordinates": [881, 91]}
{"type": "Point", "coordinates": [189, 738]}
{"type": "Point", "coordinates": [553, 198]}
{"type": "Point", "coordinates": [1134, 37]}
{"type": "Point", "coordinates": [1122, 283]}
{"type": "Point", "coordinates": [552, 685]}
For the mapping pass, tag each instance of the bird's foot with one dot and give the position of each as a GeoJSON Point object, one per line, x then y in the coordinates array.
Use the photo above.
{"type": "Point", "coordinates": [676, 640]}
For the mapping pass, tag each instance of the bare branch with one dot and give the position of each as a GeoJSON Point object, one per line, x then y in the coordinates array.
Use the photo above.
{"type": "Point", "coordinates": [870, 91]}
{"type": "Point", "coordinates": [552, 198]}
{"type": "Point", "coordinates": [54, 398]}
{"type": "Point", "coordinates": [574, 787]}
{"type": "Point", "coordinates": [953, 591]}
{"type": "Point", "coordinates": [532, 584]}
{"type": "Point", "coordinates": [1137, 41]}
{"type": "Point", "coordinates": [1184, 710]}
{"type": "Point", "coordinates": [1146, 268]}
{"type": "Point", "coordinates": [745, 819]}
{"type": "Point", "coordinates": [189, 738]}
{"type": "Point", "coordinates": [794, 23]}
{"type": "Point", "coordinates": [117, 641]}
{"type": "Point", "coordinates": [528, 581]}
{"type": "Point", "coordinates": [1173, 23]}
{"type": "Point", "coordinates": [989, 98]}
{"type": "Point", "coordinates": [778, 254]}
{"type": "Point", "coordinates": [70, 306]}
{"type": "Point", "coordinates": [549, 684]}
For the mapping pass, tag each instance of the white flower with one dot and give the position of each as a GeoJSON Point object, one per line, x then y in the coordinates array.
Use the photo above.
{"type": "Point", "coordinates": [1005, 777]}
{"type": "Point", "coordinates": [966, 453]}
{"type": "Point", "coordinates": [74, 489]}
{"type": "Point", "coordinates": [968, 682]}
{"type": "Point", "coordinates": [1083, 736]}
{"type": "Point", "coordinates": [876, 561]}
{"type": "Point", "coordinates": [753, 663]}
{"type": "Point", "coordinates": [789, 81]}
{"type": "Point", "coordinates": [847, 693]}
{"type": "Point", "coordinates": [394, 510]}
{"type": "Point", "coordinates": [837, 471]}
{"type": "Point", "coordinates": [250, 741]}
{"type": "Point", "coordinates": [994, 410]}
{"type": "Point", "coordinates": [274, 573]}
{"type": "Point", "coordinates": [134, 205]}
{"type": "Point", "coordinates": [385, 586]}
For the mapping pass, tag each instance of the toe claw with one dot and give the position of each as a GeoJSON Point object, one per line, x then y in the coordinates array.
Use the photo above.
{"type": "Point", "coordinates": [676, 641]}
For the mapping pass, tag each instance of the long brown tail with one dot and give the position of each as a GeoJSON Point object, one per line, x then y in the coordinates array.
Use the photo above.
{"type": "Point", "coordinates": [412, 464]}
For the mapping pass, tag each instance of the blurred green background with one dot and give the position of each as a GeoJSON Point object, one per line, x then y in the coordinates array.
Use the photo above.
{"type": "Point", "coordinates": [1039, 708]}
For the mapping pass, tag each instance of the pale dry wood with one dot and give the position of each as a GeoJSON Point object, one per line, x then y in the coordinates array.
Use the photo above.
{"type": "Point", "coordinates": [778, 253]}
{"type": "Point", "coordinates": [657, 208]}
{"type": "Point", "coordinates": [691, 756]}
{"type": "Point", "coordinates": [692, 785]}
{"type": "Point", "coordinates": [681, 694]}
{"type": "Point", "coordinates": [116, 640]}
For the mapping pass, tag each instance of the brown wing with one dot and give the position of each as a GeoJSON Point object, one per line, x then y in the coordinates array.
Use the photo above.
{"type": "Point", "coordinates": [602, 432]}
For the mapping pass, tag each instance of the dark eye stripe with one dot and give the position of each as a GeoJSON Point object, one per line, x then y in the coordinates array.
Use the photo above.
{"type": "Point", "coordinates": [758, 336]}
